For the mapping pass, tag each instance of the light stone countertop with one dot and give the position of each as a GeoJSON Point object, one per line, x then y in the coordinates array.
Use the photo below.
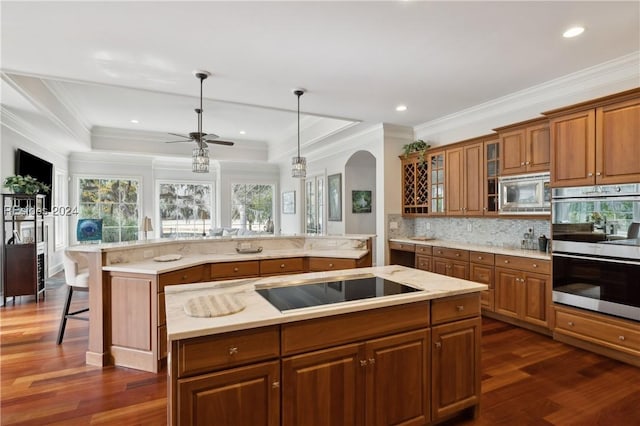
{"type": "Point", "coordinates": [149, 266]}
{"type": "Point", "coordinates": [534, 254]}
{"type": "Point", "coordinates": [259, 312]}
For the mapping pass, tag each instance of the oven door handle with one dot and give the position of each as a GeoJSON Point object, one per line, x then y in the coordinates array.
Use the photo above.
{"type": "Point", "coordinates": [556, 200]}
{"type": "Point", "coordinates": [598, 259]}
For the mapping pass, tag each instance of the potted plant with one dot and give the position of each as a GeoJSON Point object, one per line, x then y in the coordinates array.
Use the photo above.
{"type": "Point", "coordinates": [25, 185]}
{"type": "Point", "coordinates": [419, 146]}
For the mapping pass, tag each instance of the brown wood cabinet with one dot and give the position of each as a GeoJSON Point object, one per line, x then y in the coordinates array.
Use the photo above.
{"type": "Point", "coordinates": [247, 395]}
{"type": "Point", "coordinates": [450, 262]}
{"type": "Point", "coordinates": [481, 270]}
{"type": "Point", "coordinates": [456, 375]}
{"type": "Point", "coordinates": [464, 179]}
{"type": "Point", "coordinates": [596, 143]}
{"type": "Point", "coordinates": [318, 264]}
{"type": "Point", "coordinates": [521, 293]}
{"type": "Point", "coordinates": [492, 160]}
{"type": "Point", "coordinates": [525, 147]}
{"type": "Point", "coordinates": [402, 254]}
{"type": "Point", "coordinates": [437, 183]}
{"type": "Point", "coordinates": [415, 185]}
{"type": "Point", "coordinates": [614, 337]}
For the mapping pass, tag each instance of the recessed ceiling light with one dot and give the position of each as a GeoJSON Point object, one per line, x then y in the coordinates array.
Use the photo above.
{"type": "Point", "coordinates": [134, 121]}
{"type": "Point", "coordinates": [401, 108]}
{"type": "Point", "coordinates": [572, 32]}
{"type": "Point", "coordinates": [242, 132]}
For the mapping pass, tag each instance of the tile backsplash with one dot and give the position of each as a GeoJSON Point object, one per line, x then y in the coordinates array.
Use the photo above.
{"type": "Point", "coordinates": [499, 232]}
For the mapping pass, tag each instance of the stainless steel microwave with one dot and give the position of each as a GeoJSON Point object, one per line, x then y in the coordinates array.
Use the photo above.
{"type": "Point", "coordinates": [525, 194]}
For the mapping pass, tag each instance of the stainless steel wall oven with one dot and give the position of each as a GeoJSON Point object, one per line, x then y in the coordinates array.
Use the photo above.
{"type": "Point", "coordinates": [596, 248]}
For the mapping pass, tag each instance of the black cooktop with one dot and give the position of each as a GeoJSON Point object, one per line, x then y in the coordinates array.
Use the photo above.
{"type": "Point", "coordinates": [324, 293]}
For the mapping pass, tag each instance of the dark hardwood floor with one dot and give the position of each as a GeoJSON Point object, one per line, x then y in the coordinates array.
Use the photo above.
{"type": "Point", "coordinates": [528, 379]}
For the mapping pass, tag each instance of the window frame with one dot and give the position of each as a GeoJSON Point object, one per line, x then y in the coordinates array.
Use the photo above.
{"type": "Point", "coordinates": [274, 206]}
{"type": "Point", "coordinates": [212, 200]}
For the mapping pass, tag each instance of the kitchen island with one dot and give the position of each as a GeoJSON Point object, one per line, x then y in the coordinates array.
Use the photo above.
{"type": "Point", "coordinates": [127, 282]}
{"type": "Point", "coordinates": [411, 357]}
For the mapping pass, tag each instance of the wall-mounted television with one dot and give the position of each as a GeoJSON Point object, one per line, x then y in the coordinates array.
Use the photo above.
{"type": "Point", "coordinates": [29, 164]}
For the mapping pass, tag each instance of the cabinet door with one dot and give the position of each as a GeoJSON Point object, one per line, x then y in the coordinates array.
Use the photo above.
{"type": "Point", "coordinates": [437, 183]}
{"type": "Point", "coordinates": [536, 309]}
{"type": "Point", "coordinates": [508, 293]}
{"type": "Point", "coordinates": [440, 266]}
{"type": "Point", "coordinates": [513, 149]}
{"type": "Point", "coordinates": [324, 387]}
{"type": "Point", "coordinates": [491, 170]}
{"type": "Point", "coordinates": [132, 305]}
{"type": "Point", "coordinates": [408, 185]}
{"type": "Point", "coordinates": [455, 367]}
{"type": "Point", "coordinates": [458, 269]}
{"type": "Point", "coordinates": [20, 273]}
{"type": "Point", "coordinates": [473, 175]}
{"type": "Point", "coordinates": [538, 148]}
{"type": "Point", "coordinates": [397, 384]}
{"type": "Point", "coordinates": [617, 143]}
{"type": "Point", "coordinates": [454, 181]}
{"type": "Point", "coordinates": [423, 262]}
{"type": "Point", "coordinates": [242, 396]}
{"type": "Point", "coordinates": [573, 149]}
{"type": "Point", "coordinates": [483, 274]}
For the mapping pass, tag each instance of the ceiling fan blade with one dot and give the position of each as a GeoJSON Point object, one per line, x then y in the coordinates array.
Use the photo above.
{"type": "Point", "coordinates": [219, 142]}
{"type": "Point", "coordinates": [186, 140]}
{"type": "Point", "coordinates": [211, 136]}
{"type": "Point", "coordinates": [182, 136]}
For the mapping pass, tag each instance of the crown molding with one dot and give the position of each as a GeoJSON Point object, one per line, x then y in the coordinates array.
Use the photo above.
{"type": "Point", "coordinates": [22, 127]}
{"type": "Point", "coordinates": [599, 80]}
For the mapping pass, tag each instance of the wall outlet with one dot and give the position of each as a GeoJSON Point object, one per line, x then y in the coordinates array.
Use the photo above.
{"type": "Point", "coordinates": [393, 225]}
{"type": "Point", "coordinates": [147, 254]}
{"type": "Point", "coordinates": [428, 226]}
{"type": "Point", "coordinates": [469, 229]}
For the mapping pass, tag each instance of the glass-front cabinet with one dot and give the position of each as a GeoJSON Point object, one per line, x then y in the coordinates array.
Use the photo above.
{"type": "Point", "coordinates": [492, 169]}
{"type": "Point", "coordinates": [436, 182]}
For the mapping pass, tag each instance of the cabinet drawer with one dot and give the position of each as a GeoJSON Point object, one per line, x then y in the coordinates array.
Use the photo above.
{"type": "Point", "coordinates": [183, 276]}
{"type": "Point", "coordinates": [230, 270]}
{"type": "Point", "coordinates": [281, 266]}
{"type": "Point", "coordinates": [481, 257]}
{"type": "Point", "coordinates": [455, 308]}
{"type": "Point", "coordinates": [450, 253]}
{"type": "Point", "coordinates": [614, 334]}
{"type": "Point", "coordinates": [423, 262]}
{"type": "Point", "coordinates": [524, 264]}
{"type": "Point", "coordinates": [203, 354]}
{"type": "Point", "coordinates": [330, 264]}
{"type": "Point", "coordinates": [427, 250]}
{"type": "Point", "coordinates": [402, 246]}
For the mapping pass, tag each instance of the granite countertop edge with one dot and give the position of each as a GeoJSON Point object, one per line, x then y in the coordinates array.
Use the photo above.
{"type": "Point", "coordinates": [534, 254]}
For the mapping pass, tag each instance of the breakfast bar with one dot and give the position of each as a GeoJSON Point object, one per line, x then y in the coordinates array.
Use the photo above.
{"type": "Point", "coordinates": [376, 345]}
{"type": "Point", "coordinates": [127, 282]}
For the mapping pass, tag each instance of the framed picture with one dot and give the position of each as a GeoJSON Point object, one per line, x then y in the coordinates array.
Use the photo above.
{"type": "Point", "coordinates": [89, 230]}
{"type": "Point", "coordinates": [334, 182]}
{"type": "Point", "coordinates": [361, 201]}
{"type": "Point", "coordinates": [289, 202]}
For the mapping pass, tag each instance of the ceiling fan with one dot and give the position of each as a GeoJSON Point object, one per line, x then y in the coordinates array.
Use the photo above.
{"type": "Point", "coordinates": [199, 137]}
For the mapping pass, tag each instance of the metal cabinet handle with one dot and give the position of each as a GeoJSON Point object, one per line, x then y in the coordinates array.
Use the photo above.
{"type": "Point", "coordinates": [535, 265]}
{"type": "Point", "coordinates": [331, 265]}
{"type": "Point", "coordinates": [235, 269]}
{"type": "Point", "coordinates": [400, 246]}
{"type": "Point", "coordinates": [438, 345]}
{"type": "Point", "coordinates": [275, 385]}
{"type": "Point", "coordinates": [282, 266]}
{"type": "Point", "coordinates": [372, 361]}
{"type": "Point", "coordinates": [598, 173]}
{"type": "Point", "coordinates": [506, 261]}
{"type": "Point", "coordinates": [621, 338]}
{"type": "Point", "coordinates": [184, 277]}
{"type": "Point", "coordinates": [571, 324]}
{"type": "Point", "coordinates": [522, 163]}
{"type": "Point", "coordinates": [457, 254]}
{"type": "Point", "coordinates": [589, 174]}
{"type": "Point", "coordinates": [233, 350]}
{"type": "Point", "coordinates": [460, 308]}
{"type": "Point", "coordinates": [527, 162]}
{"type": "Point", "coordinates": [479, 257]}
{"type": "Point", "coordinates": [363, 363]}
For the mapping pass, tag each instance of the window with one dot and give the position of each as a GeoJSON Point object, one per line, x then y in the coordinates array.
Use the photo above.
{"type": "Point", "coordinates": [252, 207]}
{"type": "Point", "coordinates": [314, 204]}
{"type": "Point", "coordinates": [116, 202]}
{"type": "Point", "coordinates": [185, 209]}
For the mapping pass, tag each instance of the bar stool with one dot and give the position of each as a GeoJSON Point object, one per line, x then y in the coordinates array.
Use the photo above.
{"type": "Point", "coordinates": [77, 279]}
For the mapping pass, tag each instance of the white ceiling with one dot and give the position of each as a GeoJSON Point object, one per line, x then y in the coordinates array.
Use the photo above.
{"type": "Point", "coordinates": [116, 61]}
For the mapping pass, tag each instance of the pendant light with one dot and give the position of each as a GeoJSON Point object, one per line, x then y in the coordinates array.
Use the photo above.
{"type": "Point", "coordinates": [298, 164]}
{"type": "Point", "coordinates": [200, 154]}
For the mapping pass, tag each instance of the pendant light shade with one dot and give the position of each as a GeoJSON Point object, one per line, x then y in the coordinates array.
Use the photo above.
{"type": "Point", "coordinates": [200, 159]}
{"type": "Point", "coordinates": [298, 164]}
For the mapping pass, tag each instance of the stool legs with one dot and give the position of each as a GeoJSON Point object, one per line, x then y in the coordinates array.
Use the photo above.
{"type": "Point", "coordinates": [66, 315]}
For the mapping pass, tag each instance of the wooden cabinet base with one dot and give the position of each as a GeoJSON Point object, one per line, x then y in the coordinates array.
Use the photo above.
{"type": "Point", "coordinates": [517, 322]}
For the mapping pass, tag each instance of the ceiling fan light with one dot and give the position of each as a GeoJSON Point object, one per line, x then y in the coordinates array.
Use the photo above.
{"type": "Point", "coordinates": [299, 167]}
{"type": "Point", "coordinates": [200, 160]}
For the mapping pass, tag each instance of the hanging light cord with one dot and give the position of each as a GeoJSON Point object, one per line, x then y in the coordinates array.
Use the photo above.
{"type": "Point", "coordinates": [299, 93]}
